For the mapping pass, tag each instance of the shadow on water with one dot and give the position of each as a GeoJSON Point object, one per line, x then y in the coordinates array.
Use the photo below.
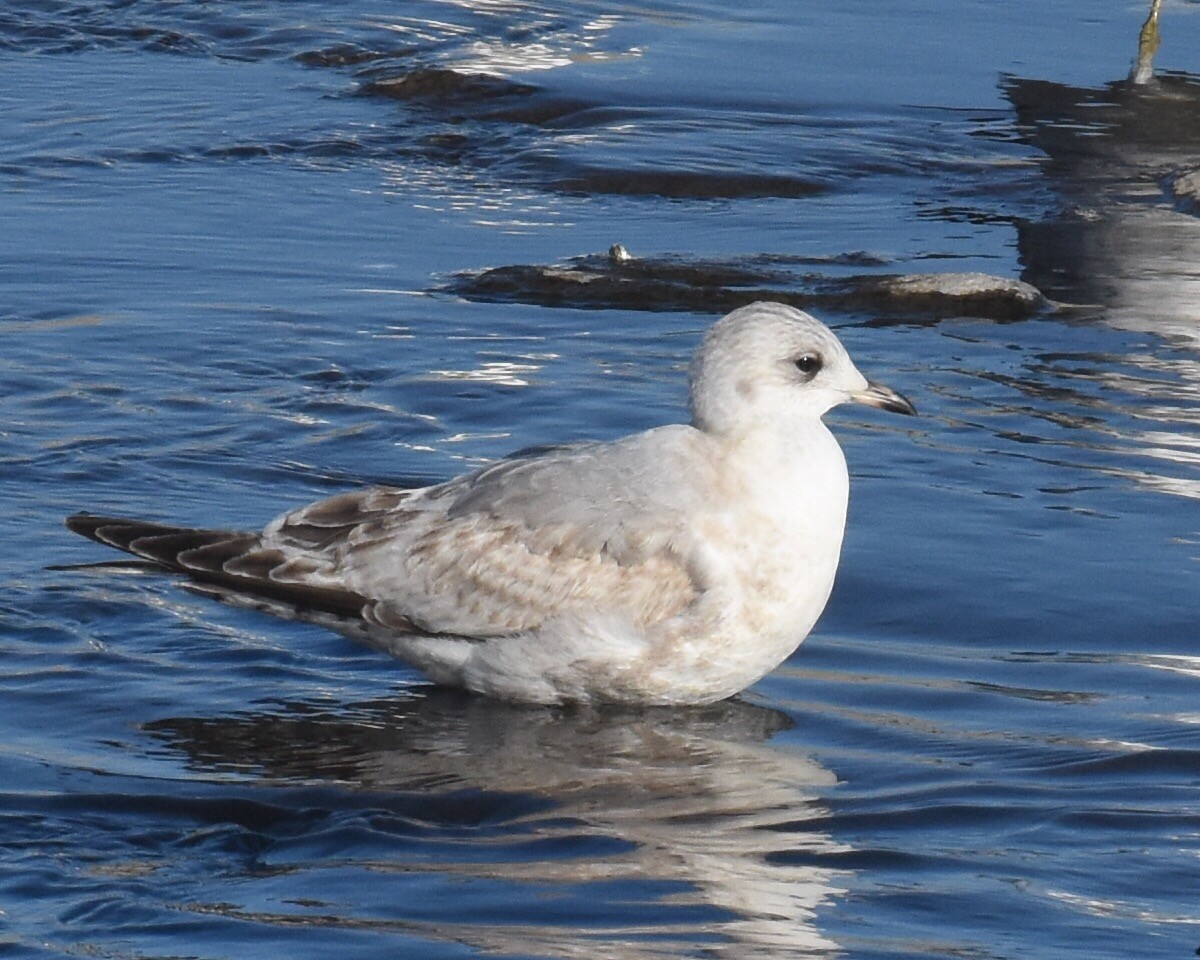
{"type": "Point", "coordinates": [633, 833]}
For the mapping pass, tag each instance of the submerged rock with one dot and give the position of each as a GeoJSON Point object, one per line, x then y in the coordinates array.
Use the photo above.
{"type": "Point", "coordinates": [441, 83]}
{"type": "Point", "coordinates": [686, 184]}
{"type": "Point", "coordinates": [619, 280]}
{"type": "Point", "coordinates": [482, 96]}
{"type": "Point", "coordinates": [345, 55]}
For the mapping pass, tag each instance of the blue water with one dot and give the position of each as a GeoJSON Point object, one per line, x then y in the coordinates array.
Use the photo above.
{"type": "Point", "coordinates": [222, 266]}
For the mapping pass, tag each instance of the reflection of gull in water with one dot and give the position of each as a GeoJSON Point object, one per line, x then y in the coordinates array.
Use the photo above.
{"type": "Point", "coordinates": [688, 804]}
{"type": "Point", "coordinates": [678, 565]}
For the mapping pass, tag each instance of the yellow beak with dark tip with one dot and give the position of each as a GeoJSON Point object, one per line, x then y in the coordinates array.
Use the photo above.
{"type": "Point", "coordinates": [877, 395]}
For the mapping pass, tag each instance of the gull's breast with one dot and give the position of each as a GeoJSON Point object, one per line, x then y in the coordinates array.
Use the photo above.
{"type": "Point", "coordinates": [786, 537]}
{"type": "Point", "coordinates": [768, 563]}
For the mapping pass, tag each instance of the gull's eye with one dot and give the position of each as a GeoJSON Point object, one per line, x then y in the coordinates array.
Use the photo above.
{"type": "Point", "coordinates": [808, 364]}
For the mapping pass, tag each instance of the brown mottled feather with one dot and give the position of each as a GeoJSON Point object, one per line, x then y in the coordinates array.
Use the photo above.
{"type": "Point", "coordinates": [224, 558]}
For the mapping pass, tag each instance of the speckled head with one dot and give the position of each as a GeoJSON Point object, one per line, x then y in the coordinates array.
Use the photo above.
{"type": "Point", "coordinates": [768, 362]}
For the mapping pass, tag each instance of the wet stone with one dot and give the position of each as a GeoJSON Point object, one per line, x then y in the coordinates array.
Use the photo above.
{"type": "Point", "coordinates": [1186, 189]}
{"type": "Point", "coordinates": [943, 294]}
{"type": "Point", "coordinates": [621, 281]}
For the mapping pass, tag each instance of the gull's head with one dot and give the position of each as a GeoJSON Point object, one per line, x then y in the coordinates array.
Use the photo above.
{"type": "Point", "coordinates": [768, 362]}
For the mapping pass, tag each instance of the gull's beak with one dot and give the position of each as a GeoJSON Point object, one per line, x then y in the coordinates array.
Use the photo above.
{"type": "Point", "coordinates": [877, 395]}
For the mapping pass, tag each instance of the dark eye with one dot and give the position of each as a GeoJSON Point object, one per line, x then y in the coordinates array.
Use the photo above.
{"type": "Point", "coordinates": [808, 364]}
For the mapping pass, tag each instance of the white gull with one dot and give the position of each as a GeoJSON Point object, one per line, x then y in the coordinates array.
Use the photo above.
{"type": "Point", "coordinates": [678, 565]}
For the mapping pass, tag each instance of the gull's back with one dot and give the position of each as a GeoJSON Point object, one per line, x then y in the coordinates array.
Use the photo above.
{"type": "Point", "coordinates": [500, 551]}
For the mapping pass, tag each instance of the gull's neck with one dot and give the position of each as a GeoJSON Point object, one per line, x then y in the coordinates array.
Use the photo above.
{"type": "Point", "coordinates": [788, 433]}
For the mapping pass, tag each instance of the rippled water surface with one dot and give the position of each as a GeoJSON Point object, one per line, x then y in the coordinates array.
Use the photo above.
{"type": "Point", "coordinates": [230, 235]}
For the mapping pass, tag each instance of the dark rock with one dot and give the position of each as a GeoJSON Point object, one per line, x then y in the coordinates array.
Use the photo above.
{"type": "Point", "coordinates": [618, 280]}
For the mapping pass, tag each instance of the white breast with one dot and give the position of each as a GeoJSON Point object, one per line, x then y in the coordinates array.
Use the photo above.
{"type": "Point", "coordinates": [769, 559]}
{"type": "Point", "coordinates": [792, 539]}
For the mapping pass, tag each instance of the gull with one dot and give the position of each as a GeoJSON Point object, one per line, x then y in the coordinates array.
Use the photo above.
{"type": "Point", "coordinates": [674, 566]}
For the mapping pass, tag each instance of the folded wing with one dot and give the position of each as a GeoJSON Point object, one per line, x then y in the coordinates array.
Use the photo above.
{"type": "Point", "coordinates": [594, 527]}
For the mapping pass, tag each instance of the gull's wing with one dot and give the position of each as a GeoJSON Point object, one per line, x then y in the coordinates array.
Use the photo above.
{"type": "Point", "coordinates": [592, 527]}
{"type": "Point", "coordinates": [232, 565]}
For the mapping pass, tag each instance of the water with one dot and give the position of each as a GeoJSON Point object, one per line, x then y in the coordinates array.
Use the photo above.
{"type": "Point", "coordinates": [220, 272]}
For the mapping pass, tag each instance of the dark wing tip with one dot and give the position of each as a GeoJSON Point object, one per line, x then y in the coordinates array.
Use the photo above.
{"type": "Point", "coordinates": [89, 525]}
{"type": "Point", "coordinates": [119, 532]}
{"type": "Point", "coordinates": [152, 541]}
{"type": "Point", "coordinates": [84, 524]}
{"type": "Point", "coordinates": [204, 555]}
